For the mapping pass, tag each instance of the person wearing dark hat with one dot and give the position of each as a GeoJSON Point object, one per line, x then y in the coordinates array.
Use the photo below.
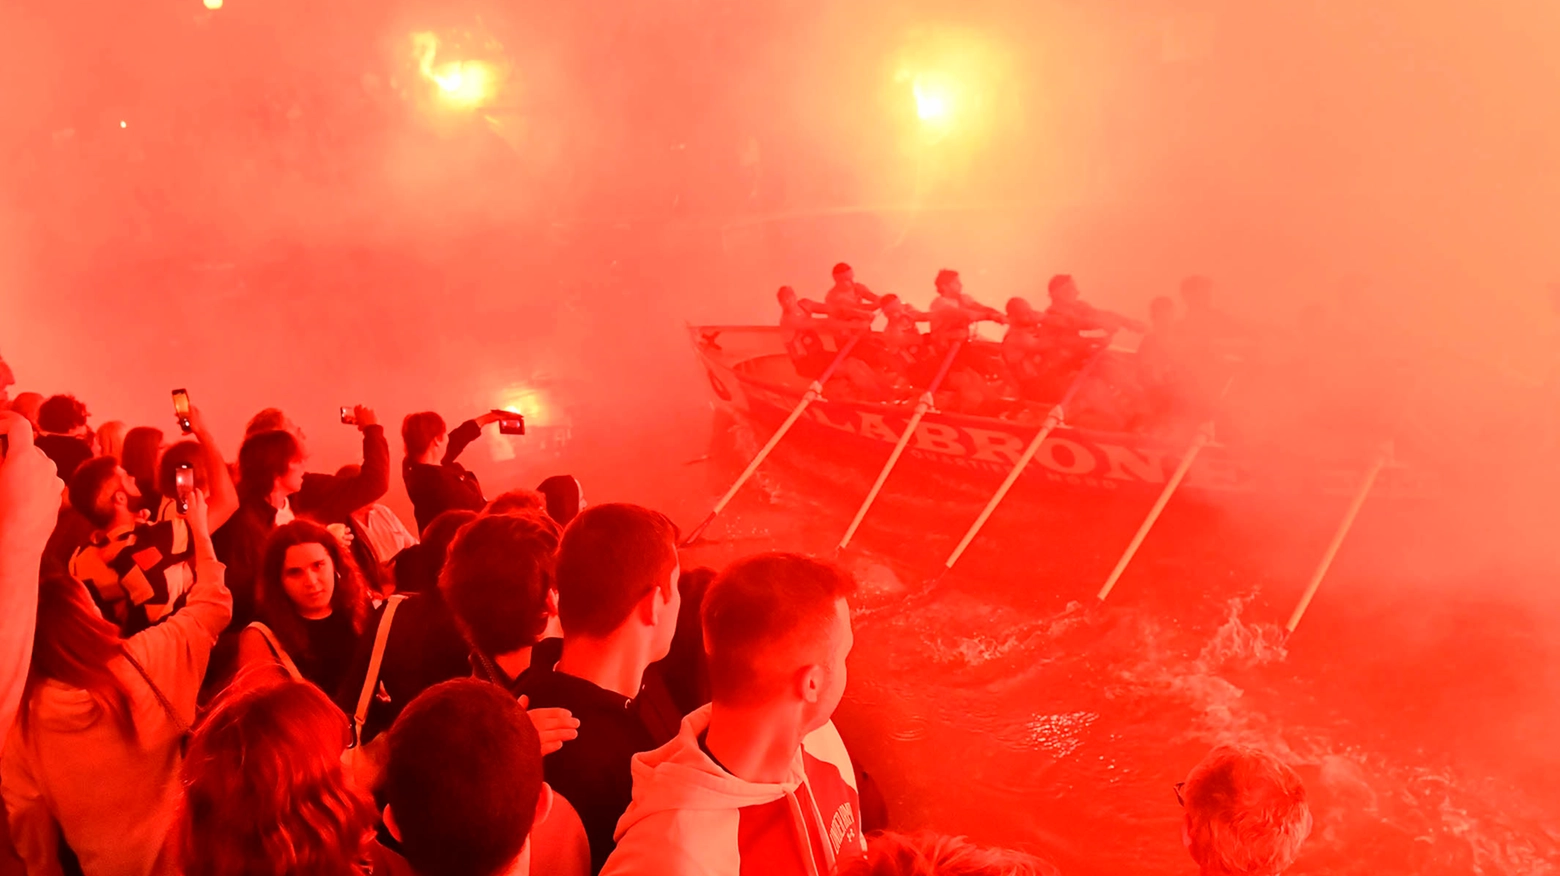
{"type": "Point", "coordinates": [564, 496]}
{"type": "Point", "coordinates": [847, 299]}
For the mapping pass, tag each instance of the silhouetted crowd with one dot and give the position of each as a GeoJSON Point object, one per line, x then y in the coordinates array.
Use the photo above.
{"type": "Point", "coordinates": [249, 668]}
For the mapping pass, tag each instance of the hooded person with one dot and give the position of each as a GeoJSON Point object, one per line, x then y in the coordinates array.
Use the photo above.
{"type": "Point", "coordinates": [759, 780]}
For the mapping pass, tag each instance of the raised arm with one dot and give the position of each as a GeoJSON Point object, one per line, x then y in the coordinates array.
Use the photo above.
{"type": "Point", "coordinates": [185, 639]}
{"type": "Point", "coordinates": [223, 499]}
{"type": "Point", "coordinates": [465, 433]}
{"type": "Point", "coordinates": [30, 494]}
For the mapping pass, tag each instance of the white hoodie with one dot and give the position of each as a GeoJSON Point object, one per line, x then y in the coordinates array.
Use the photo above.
{"type": "Point", "coordinates": [690, 817]}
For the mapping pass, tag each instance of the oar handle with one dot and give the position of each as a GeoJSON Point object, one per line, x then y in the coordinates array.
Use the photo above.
{"type": "Point", "coordinates": [1337, 540]}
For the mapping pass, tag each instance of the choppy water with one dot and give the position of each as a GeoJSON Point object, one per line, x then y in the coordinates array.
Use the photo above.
{"type": "Point", "coordinates": [1419, 700]}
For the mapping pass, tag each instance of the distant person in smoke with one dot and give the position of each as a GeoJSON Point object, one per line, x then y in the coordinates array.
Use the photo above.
{"type": "Point", "coordinates": [804, 345]}
{"type": "Point", "coordinates": [27, 404]}
{"type": "Point", "coordinates": [1160, 364]}
{"type": "Point", "coordinates": [435, 482]}
{"type": "Point", "coordinates": [759, 781]}
{"type": "Point", "coordinates": [63, 435]}
{"type": "Point", "coordinates": [1246, 813]}
{"type": "Point", "coordinates": [142, 446]}
{"type": "Point", "coordinates": [270, 471]}
{"type": "Point", "coordinates": [954, 312]}
{"type": "Point", "coordinates": [111, 438]}
{"type": "Point", "coordinates": [1069, 317]}
{"type": "Point", "coordinates": [565, 498]}
{"type": "Point", "coordinates": [517, 501]}
{"type": "Point", "coordinates": [311, 608]}
{"type": "Point", "coordinates": [331, 498]}
{"type": "Point", "coordinates": [848, 300]}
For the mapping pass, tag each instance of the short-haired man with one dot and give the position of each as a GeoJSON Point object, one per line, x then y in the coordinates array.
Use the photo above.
{"type": "Point", "coordinates": [848, 300]}
{"type": "Point", "coordinates": [63, 434]}
{"type": "Point", "coordinates": [758, 781]}
{"type": "Point", "coordinates": [617, 602]}
{"type": "Point", "coordinates": [463, 789]}
{"type": "Point", "coordinates": [1246, 813]}
{"type": "Point", "coordinates": [138, 572]}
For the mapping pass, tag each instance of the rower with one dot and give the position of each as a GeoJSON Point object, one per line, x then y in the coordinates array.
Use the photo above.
{"type": "Point", "coordinates": [806, 349]}
{"type": "Point", "coordinates": [953, 312]}
{"type": "Point", "coordinates": [1025, 343]}
{"type": "Point", "coordinates": [1069, 317]}
{"type": "Point", "coordinates": [847, 299]}
{"type": "Point", "coordinates": [900, 333]}
{"type": "Point", "coordinates": [1159, 364]}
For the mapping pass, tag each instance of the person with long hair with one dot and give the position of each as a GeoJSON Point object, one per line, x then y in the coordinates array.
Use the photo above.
{"type": "Point", "coordinates": [138, 455]}
{"type": "Point", "coordinates": [311, 605]}
{"type": "Point", "coordinates": [93, 759]}
{"type": "Point", "coordinates": [266, 793]}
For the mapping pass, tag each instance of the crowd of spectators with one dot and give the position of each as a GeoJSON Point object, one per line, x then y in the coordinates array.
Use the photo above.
{"type": "Point", "coordinates": [249, 668]}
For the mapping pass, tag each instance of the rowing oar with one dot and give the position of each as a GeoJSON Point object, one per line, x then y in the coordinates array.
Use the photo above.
{"type": "Point", "coordinates": [812, 393]}
{"type": "Point", "coordinates": [1204, 435]}
{"type": "Point", "coordinates": [1203, 439]}
{"type": "Point", "coordinates": [1052, 420]}
{"type": "Point", "coordinates": [1338, 537]}
{"type": "Point", "coordinates": [904, 440]}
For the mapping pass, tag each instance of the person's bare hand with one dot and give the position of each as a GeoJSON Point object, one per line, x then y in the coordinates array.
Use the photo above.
{"type": "Point", "coordinates": [364, 416]}
{"type": "Point", "coordinates": [554, 726]}
{"type": "Point", "coordinates": [195, 515]}
{"type": "Point", "coordinates": [30, 489]}
{"type": "Point", "coordinates": [343, 534]}
{"type": "Point", "coordinates": [197, 421]}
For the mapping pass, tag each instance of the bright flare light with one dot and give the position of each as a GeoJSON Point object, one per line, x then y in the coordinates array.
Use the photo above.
{"type": "Point", "coordinates": [212, 4]}
{"type": "Point", "coordinates": [466, 84]}
{"type": "Point", "coordinates": [932, 104]}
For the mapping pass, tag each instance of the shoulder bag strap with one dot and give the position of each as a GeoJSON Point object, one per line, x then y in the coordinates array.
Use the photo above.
{"type": "Point", "coordinates": [375, 660]}
{"type": "Point", "coordinates": [277, 650]}
{"type": "Point", "coordinates": [173, 714]}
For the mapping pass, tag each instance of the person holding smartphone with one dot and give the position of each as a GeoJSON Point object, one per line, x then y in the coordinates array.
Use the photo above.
{"type": "Point", "coordinates": [435, 482]}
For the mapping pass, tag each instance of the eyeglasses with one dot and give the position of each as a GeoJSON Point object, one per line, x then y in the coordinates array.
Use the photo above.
{"type": "Point", "coordinates": [1180, 797]}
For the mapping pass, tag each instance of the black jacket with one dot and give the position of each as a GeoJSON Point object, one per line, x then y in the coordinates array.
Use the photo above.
{"type": "Point", "coordinates": [328, 498]}
{"type": "Point", "coordinates": [435, 489]}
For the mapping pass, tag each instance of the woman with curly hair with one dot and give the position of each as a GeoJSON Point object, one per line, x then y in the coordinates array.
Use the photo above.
{"type": "Point", "coordinates": [266, 793]}
{"type": "Point", "coordinates": [311, 608]}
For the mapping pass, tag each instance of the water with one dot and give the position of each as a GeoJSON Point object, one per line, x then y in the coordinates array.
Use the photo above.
{"type": "Point", "coordinates": [1418, 700]}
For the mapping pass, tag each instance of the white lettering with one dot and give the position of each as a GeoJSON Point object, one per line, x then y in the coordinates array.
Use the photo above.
{"type": "Point", "coordinates": [1066, 456]}
{"type": "Point", "coordinates": [1126, 465]}
{"type": "Point", "coordinates": [938, 438]}
{"type": "Point", "coordinates": [872, 426]}
{"type": "Point", "coordinates": [996, 446]}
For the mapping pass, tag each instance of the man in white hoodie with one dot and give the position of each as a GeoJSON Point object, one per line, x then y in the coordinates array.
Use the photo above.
{"type": "Point", "coordinates": [757, 781]}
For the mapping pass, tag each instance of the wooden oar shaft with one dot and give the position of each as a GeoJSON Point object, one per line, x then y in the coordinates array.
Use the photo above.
{"type": "Point", "coordinates": [1187, 459]}
{"type": "Point", "coordinates": [900, 445]}
{"type": "Point", "coordinates": [1052, 420]}
{"type": "Point", "coordinates": [812, 393]}
{"type": "Point", "coordinates": [1337, 541]}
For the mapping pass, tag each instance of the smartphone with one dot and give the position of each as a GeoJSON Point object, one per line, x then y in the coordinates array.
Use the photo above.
{"type": "Point", "coordinates": [184, 486]}
{"type": "Point", "coordinates": [181, 409]}
{"type": "Point", "coordinates": [510, 423]}
{"type": "Point", "coordinates": [347, 416]}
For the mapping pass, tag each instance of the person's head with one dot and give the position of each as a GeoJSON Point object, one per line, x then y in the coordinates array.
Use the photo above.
{"type": "Point", "coordinates": [139, 454]}
{"type": "Point", "coordinates": [777, 632]}
{"type": "Point", "coordinates": [306, 574]}
{"type": "Point", "coordinates": [1161, 312]}
{"type": "Point", "coordinates": [28, 404]}
{"type": "Point", "coordinates": [931, 854]}
{"type": "Point", "coordinates": [111, 438]}
{"type": "Point", "coordinates": [498, 580]}
{"type": "Point", "coordinates": [843, 274]}
{"type": "Point", "coordinates": [63, 415]}
{"type": "Point", "coordinates": [182, 453]}
{"type": "Point", "coordinates": [1197, 292]}
{"type": "Point", "coordinates": [422, 432]}
{"type": "Point", "coordinates": [463, 780]}
{"type": "Point", "coordinates": [76, 646]}
{"type": "Point", "coordinates": [1062, 289]}
{"type": "Point", "coordinates": [1246, 813]}
{"type": "Point", "coordinates": [517, 501]}
{"type": "Point", "coordinates": [265, 792]}
{"type": "Point", "coordinates": [890, 304]}
{"type": "Point", "coordinates": [269, 462]}
{"type": "Point", "coordinates": [7, 380]}
{"type": "Point", "coordinates": [271, 420]}
{"type": "Point", "coordinates": [1020, 310]}
{"type": "Point", "coordinates": [103, 492]}
{"type": "Point", "coordinates": [948, 283]}
{"type": "Point", "coordinates": [787, 297]}
{"type": "Point", "coordinates": [617, 572]}
{"type": "Point", "coordinates": [565, 497]}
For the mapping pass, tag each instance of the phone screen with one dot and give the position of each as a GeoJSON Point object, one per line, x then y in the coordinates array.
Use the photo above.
{"type": "Point", "coordinates": [184, 483]}
{"type": "Point", "coordinates": [181, 409]}
{"type": "Point", "coordinates": [347, 417]}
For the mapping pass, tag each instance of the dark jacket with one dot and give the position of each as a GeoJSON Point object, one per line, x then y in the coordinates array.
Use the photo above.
{"type": "Point", "coordinates": [240, 544]}
{"type": "Point", "coordinates": [67, 452]}
{"type": "Point", "coordinates": [424, 649]}
{"type": "Point", "coordinates": [435, 489]}
{"type": "Point", "coordinates": [328, 498]}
